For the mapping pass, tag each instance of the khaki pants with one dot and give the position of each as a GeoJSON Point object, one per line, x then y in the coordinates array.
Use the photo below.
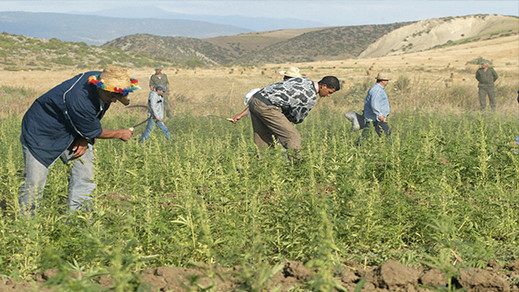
{"type": "Point", "coordinates": [267, 122]}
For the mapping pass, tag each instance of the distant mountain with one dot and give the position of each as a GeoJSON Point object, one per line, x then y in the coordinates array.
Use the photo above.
{"type": "Point", "coordinates": [97, 30]}
{"type": "Point", "coordinates": [252, 23]}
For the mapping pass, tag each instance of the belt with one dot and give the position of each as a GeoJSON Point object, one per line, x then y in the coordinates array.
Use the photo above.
{"type": "Point", "coordinates": [263, 99]}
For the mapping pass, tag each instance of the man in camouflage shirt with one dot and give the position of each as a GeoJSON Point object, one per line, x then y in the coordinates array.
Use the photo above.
{"type": "Point", "coordinates": [274, 108]}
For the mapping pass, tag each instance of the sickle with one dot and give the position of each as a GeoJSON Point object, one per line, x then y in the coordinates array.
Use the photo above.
{"type": "Point", "coordinates": [146, 120]}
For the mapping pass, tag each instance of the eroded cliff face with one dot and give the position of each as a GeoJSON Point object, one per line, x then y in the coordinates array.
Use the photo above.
{"type": "Point", "coordinates": [426, 34]}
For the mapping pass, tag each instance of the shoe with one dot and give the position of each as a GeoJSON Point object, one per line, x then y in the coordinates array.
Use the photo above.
{"type": "Point", "coordinates": [352, 116]}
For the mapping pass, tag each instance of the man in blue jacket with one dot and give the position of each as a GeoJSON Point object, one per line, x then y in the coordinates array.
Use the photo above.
{"type": "Point", "coordinates": [376, 107]}
{"type": "Point", "coordinates": [64, 123]}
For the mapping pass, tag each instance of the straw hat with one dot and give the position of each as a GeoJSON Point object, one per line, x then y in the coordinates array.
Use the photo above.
{"type": "Point", "coordinates": [382, 76]}
{"type": "Point", "coordinates": [291, 72]}
{"type": "Point", "coordinates": [115, 79]}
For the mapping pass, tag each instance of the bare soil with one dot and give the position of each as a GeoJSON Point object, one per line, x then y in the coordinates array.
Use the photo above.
{"type": "Point", "coordinates": [390, 276]}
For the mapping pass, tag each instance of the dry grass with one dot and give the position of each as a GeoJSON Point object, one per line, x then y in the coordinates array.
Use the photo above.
{"type": "Point", "coordinates": [439, 80]}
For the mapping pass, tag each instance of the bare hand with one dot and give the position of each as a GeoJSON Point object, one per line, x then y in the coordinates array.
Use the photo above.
{"type": "Point", "coordinates": [234, 119]}
{"type": "Point", "coordinates": [126, 134]}
{"type": "Point", "coordinates": [79, 147]}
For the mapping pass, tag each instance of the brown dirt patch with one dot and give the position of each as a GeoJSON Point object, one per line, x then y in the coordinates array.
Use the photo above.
{"type": "Point", "coordinates": [390, 276]}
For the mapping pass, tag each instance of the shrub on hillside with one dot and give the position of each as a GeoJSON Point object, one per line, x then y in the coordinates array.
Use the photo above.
{"type": "Point", "coordinates": [479, 60]}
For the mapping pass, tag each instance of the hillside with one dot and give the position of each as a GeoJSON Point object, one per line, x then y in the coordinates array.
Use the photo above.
{"type": "Point", "coordinates": [31, 54]}
{"type": "Point", "coordinates": [272, 47]}
{"type": "Point", "coordinates": [424, 35]}
{"type": "Point", "coordinates": [247, 42]}
{"type": "Point", "coordinates": [176, 49]}
{"type": "Point", "coordinates": [332, 43]}
{"type": "Point", "coordinates": [303, 45]}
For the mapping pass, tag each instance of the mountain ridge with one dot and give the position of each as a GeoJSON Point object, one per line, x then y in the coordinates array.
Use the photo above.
{"type": "Point", "coordinates": [97, 30]}
{"type": "Point", "coordinates": [254, 48]}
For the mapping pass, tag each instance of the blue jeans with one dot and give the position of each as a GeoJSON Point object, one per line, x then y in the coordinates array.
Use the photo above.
{"type": "Point", "coordinates": [81, 181]}
{"type": "Point", "coordinates": [149, 128]}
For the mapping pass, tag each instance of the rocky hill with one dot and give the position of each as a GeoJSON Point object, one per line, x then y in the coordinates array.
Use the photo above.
{"type": "Point", "coordinates": [332, 43]}
{"type": "Point", "coordinates": [424, 35]}
{"type": "Point", "coordinates": [253, 48]}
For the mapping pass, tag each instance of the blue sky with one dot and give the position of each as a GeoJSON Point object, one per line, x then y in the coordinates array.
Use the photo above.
{"type": "Point", "coordinates": [327, 12]}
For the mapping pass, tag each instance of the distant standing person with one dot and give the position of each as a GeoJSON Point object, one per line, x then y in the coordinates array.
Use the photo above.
{"type": "Point", "coordinates": [156, 104]}
{"type": "Point", "coordinates": [160, 78]}
{"type": "Point", "coordinates": [64, 123]}
{"type": "Point", "coordinates": [486, 77]}
{"type": "Point", "coordinates": [516, 141]}
{"type": "Point", "coordinates": [292, 72]}
{"type": "Point", "coordinates": [376, 107]}
{"type": "Point", "coordinates": [274, 108]}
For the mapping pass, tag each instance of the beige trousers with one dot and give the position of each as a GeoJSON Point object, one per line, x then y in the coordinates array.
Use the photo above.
{"type": "Point", "coordinates": [269, 123]}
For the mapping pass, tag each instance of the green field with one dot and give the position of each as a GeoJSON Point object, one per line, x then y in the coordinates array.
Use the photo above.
{"type": "Point", "coordinates": [445, 183]}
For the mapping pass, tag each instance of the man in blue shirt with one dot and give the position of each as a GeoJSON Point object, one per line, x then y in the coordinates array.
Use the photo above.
{"type": "Point", "coordinates": [64, 123]}
{"type": "Point", "coordinates": [376, 107]}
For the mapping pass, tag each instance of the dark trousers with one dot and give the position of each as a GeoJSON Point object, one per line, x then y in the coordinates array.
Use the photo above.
{"type": "Point", "coordinates": [379, 128]}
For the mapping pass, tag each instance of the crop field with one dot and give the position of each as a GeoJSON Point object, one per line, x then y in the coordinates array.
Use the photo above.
{"type": "Point", "coordinates": [441, 185]}
{"type": "Point", "coordinates": [443, 193]}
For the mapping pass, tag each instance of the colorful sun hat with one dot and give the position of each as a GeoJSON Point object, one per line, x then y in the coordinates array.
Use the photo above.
{"type": "Point", "coordinates": [115, 79]}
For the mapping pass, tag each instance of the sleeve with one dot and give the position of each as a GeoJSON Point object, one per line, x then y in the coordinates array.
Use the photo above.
{"type": "Point", "coordinates": [152, 102]}
{"type": "Point", "coordinates": [376, 103]}
{"type": "Point", "coordinates": [152, 83]}
{"type": "Point", "coordinates": [83, 115]}
{"type": "Point", "coordinates": [494, 73]}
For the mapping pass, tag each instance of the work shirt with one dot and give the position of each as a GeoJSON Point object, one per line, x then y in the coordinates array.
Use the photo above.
{"type": "Point", "coordinates": [156, 80]}
{"type": "Point", "coordinates": [486, 79]}
{"type": "Point", "coordinates": [71, 109]}
{"type": "Point", "coordinates": [376, 104]}
{"type": "Point", "coordinates": [295, 96]}
{"type": "Point", "coordinates": [156, 103]}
